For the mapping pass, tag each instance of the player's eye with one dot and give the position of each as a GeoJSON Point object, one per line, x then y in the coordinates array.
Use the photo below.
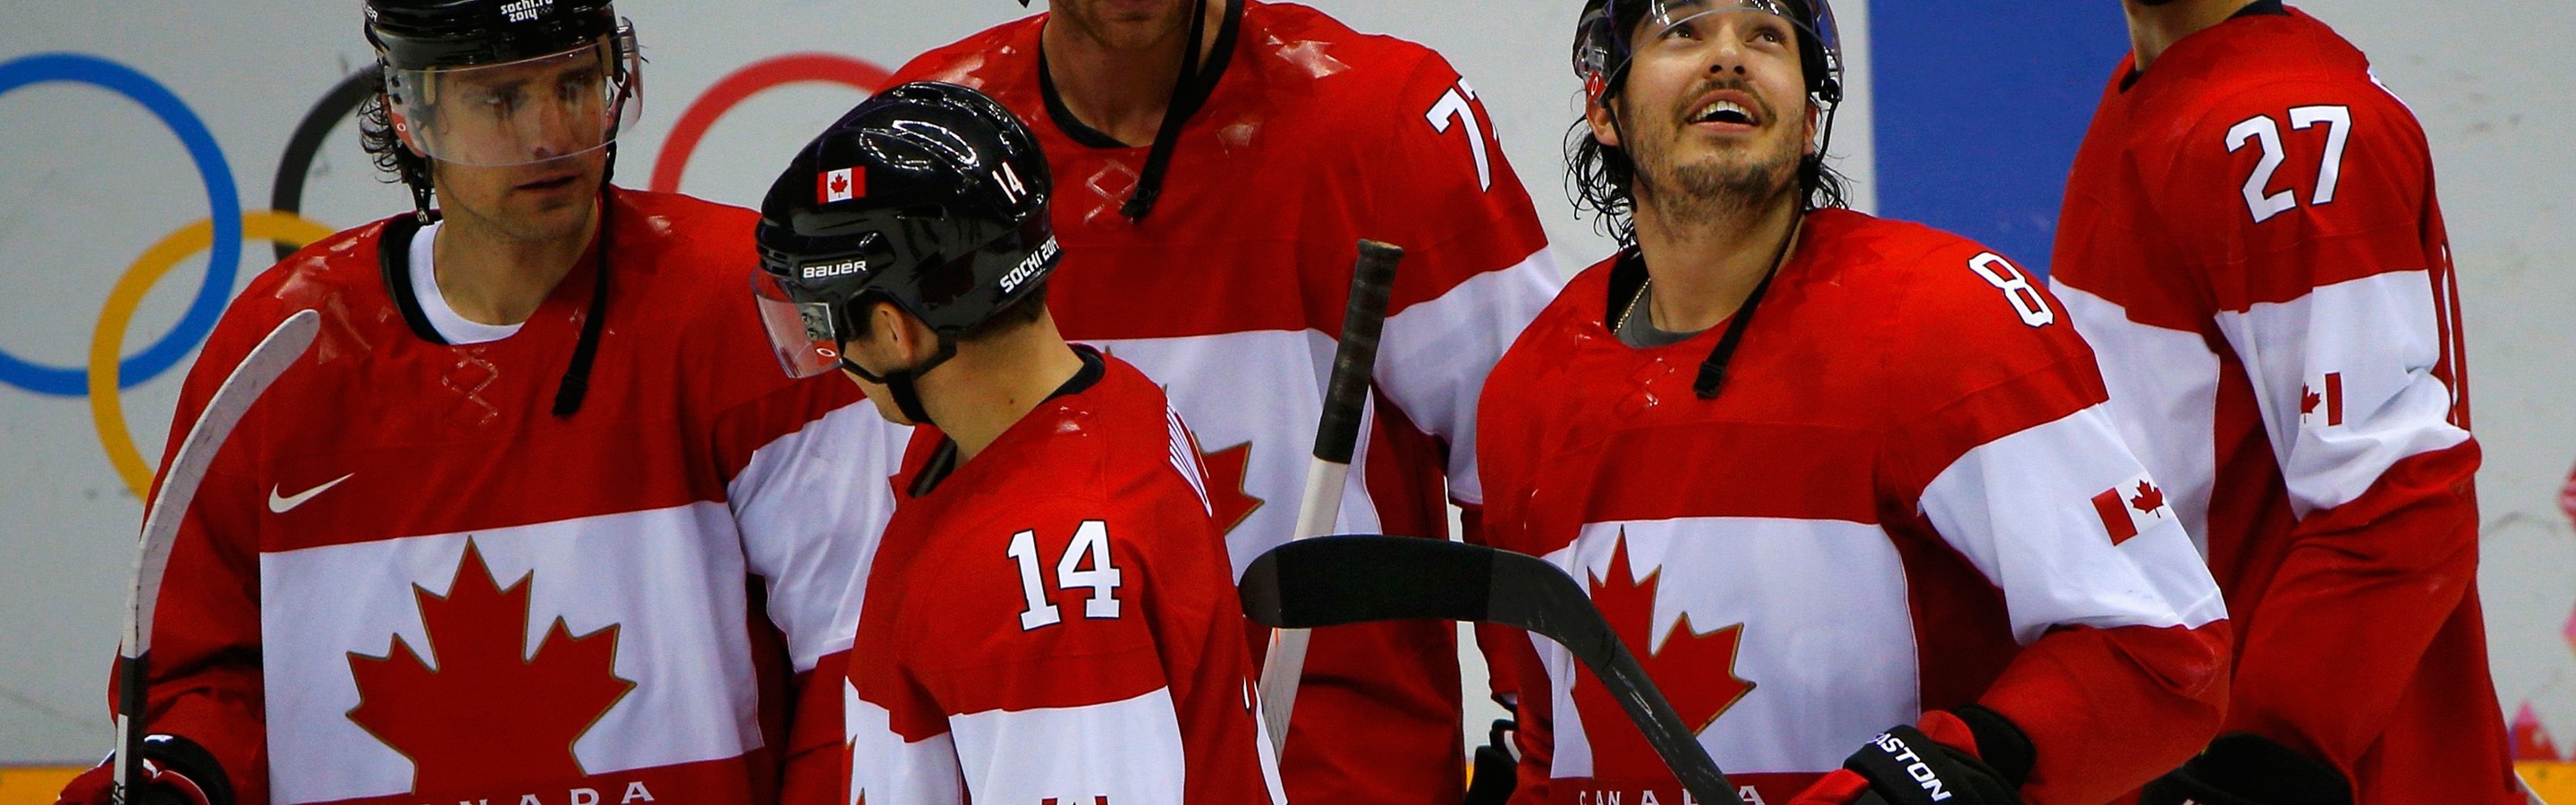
{"type": "Point", "coordinates": [500, 101]}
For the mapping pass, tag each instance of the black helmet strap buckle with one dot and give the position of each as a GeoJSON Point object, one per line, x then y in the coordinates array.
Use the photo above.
{"type": "Point", "coordinates": [900, 382]}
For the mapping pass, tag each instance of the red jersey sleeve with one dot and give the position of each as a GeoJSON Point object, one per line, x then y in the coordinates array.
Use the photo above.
{"type": "Point", "coordinates": [2327, 262]}
{"type": "Point", "coordinates": [2009, 459]}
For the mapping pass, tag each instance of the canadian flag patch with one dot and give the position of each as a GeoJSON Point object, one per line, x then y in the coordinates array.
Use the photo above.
{"type": "Point", "coordinates": [2326, 393]}
{"type": "Point", "coordinates": [838, 185]}
{"type": "Point", "coordinates": [2131, 507]}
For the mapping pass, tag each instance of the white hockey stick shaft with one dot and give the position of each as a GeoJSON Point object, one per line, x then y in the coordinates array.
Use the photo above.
{"type": "Point", "coordinates": [169, 507]}
{"type": "Point", "coordinates": [1336, 437]}
{"type": "Point", "coordinates": [1287, 654]}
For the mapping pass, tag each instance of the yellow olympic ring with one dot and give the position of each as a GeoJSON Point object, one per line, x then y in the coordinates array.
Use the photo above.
{"type": "Point", "coordinates": [107, 343]}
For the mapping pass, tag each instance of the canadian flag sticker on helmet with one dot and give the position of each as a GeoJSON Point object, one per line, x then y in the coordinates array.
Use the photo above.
{"type": "Point", "coordinates": [839, 185]}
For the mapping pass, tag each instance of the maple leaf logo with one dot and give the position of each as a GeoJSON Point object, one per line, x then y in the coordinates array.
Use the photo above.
{"type": "Point", "coordinates": [2308, 400]}
{"type": "Point", "coordinates": [1230, 503]}
{"type": "Point", "coordinates": [840, 183]}
{"type": "Point", "coordinates": [491, 714]}
{"type": "Point", "coordinates": [2149, 498]}
{"type": "Point", "coordinates": [1695, 669]}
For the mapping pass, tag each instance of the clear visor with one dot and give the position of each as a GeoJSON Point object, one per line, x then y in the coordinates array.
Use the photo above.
{"type": "Point", "coordinates": [1762, 23]}
{"type": "Point", "coordinates": [800, 333]}
{"type": "Point", "coordinates": [520, 112]}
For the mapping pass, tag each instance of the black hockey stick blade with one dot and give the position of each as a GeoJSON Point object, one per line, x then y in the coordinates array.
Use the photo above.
{"type": "Point", "coordinates": [1332, 581]}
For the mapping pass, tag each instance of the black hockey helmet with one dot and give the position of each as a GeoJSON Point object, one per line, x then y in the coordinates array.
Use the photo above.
{"type": "Point", "coordinates": [456, 72]}
{"type": "Point", "coordinates": [930, 196]}
{"type": "Point", "coordinates": [420, 34]}
{"type": "Point", "coordinates": [1604, 38]}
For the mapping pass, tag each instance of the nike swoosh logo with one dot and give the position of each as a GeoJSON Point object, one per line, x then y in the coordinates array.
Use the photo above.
{"type": "Point", "coordinates": [280, 505]}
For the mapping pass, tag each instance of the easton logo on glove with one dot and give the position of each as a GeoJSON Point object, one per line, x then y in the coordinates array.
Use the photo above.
{"type": "Point", "coordinates": [1904, 766]}
{"type": "Point", "coordinates": [1913, 765]}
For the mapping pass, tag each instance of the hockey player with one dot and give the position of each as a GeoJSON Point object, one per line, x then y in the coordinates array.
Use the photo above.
{"type": "Point", "coordinates": [1213, 196]}
{"type": "Point", "coordinates": [1050, 615]}
{"type": "Point", "coordinates": [1825, 473]}
{"type": "Point", "coordinates": [506, 531]}
{"type": "Point", "coordinates": [2252, 242]}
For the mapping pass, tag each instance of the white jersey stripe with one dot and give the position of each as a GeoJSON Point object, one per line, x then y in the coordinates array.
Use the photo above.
{"type": "Point", "coordinates": [812, 505]}
{"type": "Point", "coordinates": [2166, 415]}
{"type": "Point", "coordinates": [1128, 752]}
{"type": "Point", "coordinates": [2022, 509]}
{"type": "Point", "coordinates": [2344, 380]}
{"type": "Point", "coordinates": [1807, 594]}
{"type": "Point", "coordinates": [675, 571]}
{"type": "Point", "coordinates": [1434, 357]}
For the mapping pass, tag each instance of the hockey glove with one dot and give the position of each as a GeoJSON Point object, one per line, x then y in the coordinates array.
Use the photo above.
{"type": "Point", "coordinates": [1497, 771]}
{"type": "Point", "coordinates": [1971, 756]}
{"type": "Point", "coordinates": [176, 771]}
{"type": "Point", "coordinates": [2241, 768]}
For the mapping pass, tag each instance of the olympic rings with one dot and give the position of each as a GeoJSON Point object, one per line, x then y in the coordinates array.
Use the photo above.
{"type": "Point", "coordinates": [751, 80]}
{"type": "Point", "coordinates": [286, 192]}
{"type": "Point", "coordinates": [106, 406]}
{"type": "Point", "coordinates": [223, 199]}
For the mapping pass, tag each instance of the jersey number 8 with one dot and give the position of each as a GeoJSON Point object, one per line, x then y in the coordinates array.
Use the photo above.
{"type": "Point", "coordinates": [2016, 287]}
{"type": "Point", "coordinates": [1090, 541]}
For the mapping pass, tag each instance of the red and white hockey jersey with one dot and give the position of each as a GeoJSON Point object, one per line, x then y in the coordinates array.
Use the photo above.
{"type": "Point", "coordinates": [1232, 292]}
{"type": "Point", "coordinates": [1055, 621]}
{"type": "Point", "coordinates": [1907, 497]}
{"type": "Point", "coordinates": [2252, 243]}
{"type": "Point", "coordinates": [404, 580]}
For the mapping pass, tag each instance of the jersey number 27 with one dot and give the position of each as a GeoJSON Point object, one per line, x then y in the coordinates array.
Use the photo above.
{"type": "Point", "coordinates": [1091, 543]}
{"type": "Point", "coordinates": [2261, 129]}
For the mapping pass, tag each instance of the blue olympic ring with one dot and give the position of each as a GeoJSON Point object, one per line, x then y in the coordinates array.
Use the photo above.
{"type": "Point", "coordinates": [223, 261]}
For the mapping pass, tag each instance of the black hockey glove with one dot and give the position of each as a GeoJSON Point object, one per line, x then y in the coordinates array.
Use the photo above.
{"type": "Point", "coordinates": [1497, 772]}
{"type": "Point", "coordinates": [1969, 756]}
{"type": "Point", "coordinates": [176, 771]}
{"type": "Point", "coordinates": [2242, 768]}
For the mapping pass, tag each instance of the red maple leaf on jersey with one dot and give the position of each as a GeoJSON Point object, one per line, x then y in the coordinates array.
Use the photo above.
{"type": "Point", "coordinates": [2308, 401]}
{"type": "Point", "coordinates": [1695, 669]}
{"type": "Point", "coordinates": [1229, 503]}
{"type": "Point", "coordinates": [491, 715]}
{"type": "Point", "coordinates": [2149, 498]}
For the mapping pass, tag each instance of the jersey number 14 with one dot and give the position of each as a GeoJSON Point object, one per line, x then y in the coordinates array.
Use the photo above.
{"type": "Point", "coordinates": [1090, 546]}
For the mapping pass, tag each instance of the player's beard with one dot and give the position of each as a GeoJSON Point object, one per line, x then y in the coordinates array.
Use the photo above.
{"type": "Point", "coordinates": [1730, 183]}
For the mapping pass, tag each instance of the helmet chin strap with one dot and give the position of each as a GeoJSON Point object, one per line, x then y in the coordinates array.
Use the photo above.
{"type": "Point", "coordinates": [899, 382]}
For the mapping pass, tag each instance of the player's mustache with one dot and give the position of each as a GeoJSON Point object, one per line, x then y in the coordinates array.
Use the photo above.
{"type": "Point", "coordinates": [1683, 109]}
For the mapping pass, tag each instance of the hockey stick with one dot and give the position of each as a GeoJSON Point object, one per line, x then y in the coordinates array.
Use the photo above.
{"type": "Point", "coordinates": [231, 400]}
{"type": "Point", "coordinates": [1336, 437]}
{"type": "Point", "coordinates": [1358, 579]}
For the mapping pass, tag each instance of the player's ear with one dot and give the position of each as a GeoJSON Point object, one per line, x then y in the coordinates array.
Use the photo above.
{"type": "Point", "coordinates": [1815, 117]}
{"type": "Point", "coordinates": [1599, 114]}
{"type": "Point", "coordinates": [906, 337]}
